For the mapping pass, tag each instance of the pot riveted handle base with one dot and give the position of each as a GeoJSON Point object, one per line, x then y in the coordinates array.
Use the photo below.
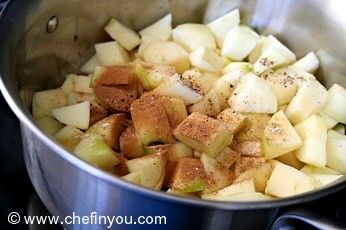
{"type": "Point", "coordinates": [310, 220]}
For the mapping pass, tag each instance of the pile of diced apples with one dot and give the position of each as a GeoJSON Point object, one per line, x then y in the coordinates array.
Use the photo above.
{"type": "Point", "coordinates": [213, 111]}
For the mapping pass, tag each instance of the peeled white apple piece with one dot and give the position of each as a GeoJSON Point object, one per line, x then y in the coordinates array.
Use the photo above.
{"type": "Point", "coordinates": [274, 55]}
{"type": "Point", "coordinates": [234, 121]}
{"type": "Point", "coordinates": [313, 131]}
{"type": "Point", "coordinates": [68, 86]}
{"type": "Point", "coordinates": [160, 30]}
{"type": "Point", "coordinates": [44, 101]}
{"type": "Point", "coordinates": [144, 43]}
{"type": "Point", "coordinates": [222, 25]}
{"type": "Point", "coordinates": [336, 151]}
{"type": "Point", "coordinates": [207, 60]}
{"type": "Point", "coordinates": [151, 74]}
{"type": "Point", "coordinates": [77, 115]}
{"type": "Point", "coordinates": [174, 87]}
{"type": "Point", "coordinates": [78, 83]}
{"type": "Point", "coordinates": [151, 170]}
{"type": "Point", "coordinates": [217, 175]}
{"type": "Point", "coordinates": [94, 150]}
{"type": "Point", "coordinates": [340, 128]}
{"type": "Point", "coordinates": [296, 74]}
{"type": "Point", "coordinates": [335, 106]}
{"type": "Point", "coordinates": [246, 186]}
{"type": "Point", "coordinates": [248, 196]}
{"type": "Point", "coordinates": [284, 87]}
{"type": "Point", "coordinates": [49, 125]}
{"type": "Point", "coordinates": [126, 37]}
{"type": "Point", "coordinates": [89, 65]}
{"type": "Point", "coordinates": [310, 99]}
{"type": "Point", "coordinates": [257, 51]}
{"type": "Point", "coordinates": [308, 63]}
{"type": "Point", "coordinates": [321, 180]}
{"type": "Point", "coordinates": [260, 175]}
{"type": "Point", "coordinates": [253, 95]}
{"type": "Point", "coordinates": [309, 169]}
{"type": "Point", "coordinates": [111, 53]}
{"type": "Point", "coordinates": [209, 105]}
{"type": "Point", "coordinates": [69, 137]}
{"type": "Point", "coordinates": [167, 53]}
{"type": "Point", "coordinates": [279, 136]}
{"type": "Point", "coordinates": [291, 160]}
{"type": "Point", "coordinates": [239, 42]}
{"type": "Point", "coordinates": [328, 121]}
{"type": "Point", "coordinates": [133, 177]}
{"type": "Point", "coordinates": [244, 67]}
{"type": "Point", "coordinates": [191, 36]}
{"type": "Point", "coordinates": [287, 181]}
{"type": "Point", "coordinates": [225, 85]}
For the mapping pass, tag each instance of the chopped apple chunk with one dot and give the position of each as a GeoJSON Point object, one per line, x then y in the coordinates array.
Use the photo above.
{"type": "Point", "coordinates": [279, 136]}
{"type": "Point", "coordinates": [260, 176]}
{"type": "Point", "coordinates": [188, 176]}
{"type": "Point", "coordinates": [151, 75]}
{"type": "Point", "coordinates": [336, 103]}
{"type": "Point", "coordinates": [233, 120]}
{"type": "Point", "coordinates": [110, 128]}
{"type": "Point", "coordinates": [151, 121]}
{"type": "Point", "coordinates": [309, 169]}
{"type": "Point", "coordinates": [253, 95]}
{"type": "Point", "coordinates": [203, 133]}
{"type": "Point", "coordinates": [218, 176]}
{"type": "Point", "coordinates": [167, 53]}
{"type": "Point", "coordinates": [308, 63]}
{"type": "Point", "coordinates": [69, 137]}
{"type": "Point", "coordinates": [160, 30]}
{"type": "Point", "coordinates": [191, 36]}
{"type": "Point", "coordinates": [243, 164]}
{"type": "Point", "coordinates": [49, 125]}
{"type": "Point", "coordinates": [93, 149]}
{"type": "Point", "coordinates": [129, 143]}
{"type": "Point", "coordinates": [126, 37]}
{"type": "Point", "coordinates": [111, 53]}
{"type": "Point", "coordinates": [309, 100]}
{"type": "Point", "coordinates": [336, 151]}
{"type": "Point", "coordinates": [314, 134]}
{"type": "Point", "coordinates": [291, 160]}
{"type": "Point", "coordinates": [222, 25]}
{"type": "Point", "coordinates": [206, 60]}
{"type": "Point", "coordinates": [246, 186]}
{"type": "Point", "coordinates": [295, 182]}
{"type": "Point", "coordinates": [90, 65]}
{"type": "Point", "coordinates": [44, 101]}
{"type": "Point", "coordinates": [117, 99]}
{"type": "Point", "coordinates": [253, 128]}
{"type": "Point", "coordinates": [250, 148]}
{"type": "Point", "coordinates": [114, 75]}
{"type": "Point", "coordinates": [210, 104]}
{"type": "Point", "coordinates": [239, 42]}
{"type": "Point", "coordinates": [132, 177]}
{"type": "Point", "coordinates": [77, 115]}
{"type": "Point", "coordinates": [227, 157]}
{"type": "Point", "coordinates": [151, 170]}
{"type": "Point", "coordinates": [176, 87]}
{"type": "Point", "coordinates": [321, 180]}
{"type": "Point", "coordinates": [273, 55]}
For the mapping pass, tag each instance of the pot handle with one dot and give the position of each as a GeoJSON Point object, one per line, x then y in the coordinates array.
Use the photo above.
{"type": "Point", "coordinates": [289, 219]}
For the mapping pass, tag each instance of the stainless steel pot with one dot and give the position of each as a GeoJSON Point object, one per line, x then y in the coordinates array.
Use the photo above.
{"type": "Point", "coordinates": [34, 56]}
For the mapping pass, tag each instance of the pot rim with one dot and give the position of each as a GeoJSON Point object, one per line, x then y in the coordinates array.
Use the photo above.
{"type": "Point", "coordinates": [26, 119]}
